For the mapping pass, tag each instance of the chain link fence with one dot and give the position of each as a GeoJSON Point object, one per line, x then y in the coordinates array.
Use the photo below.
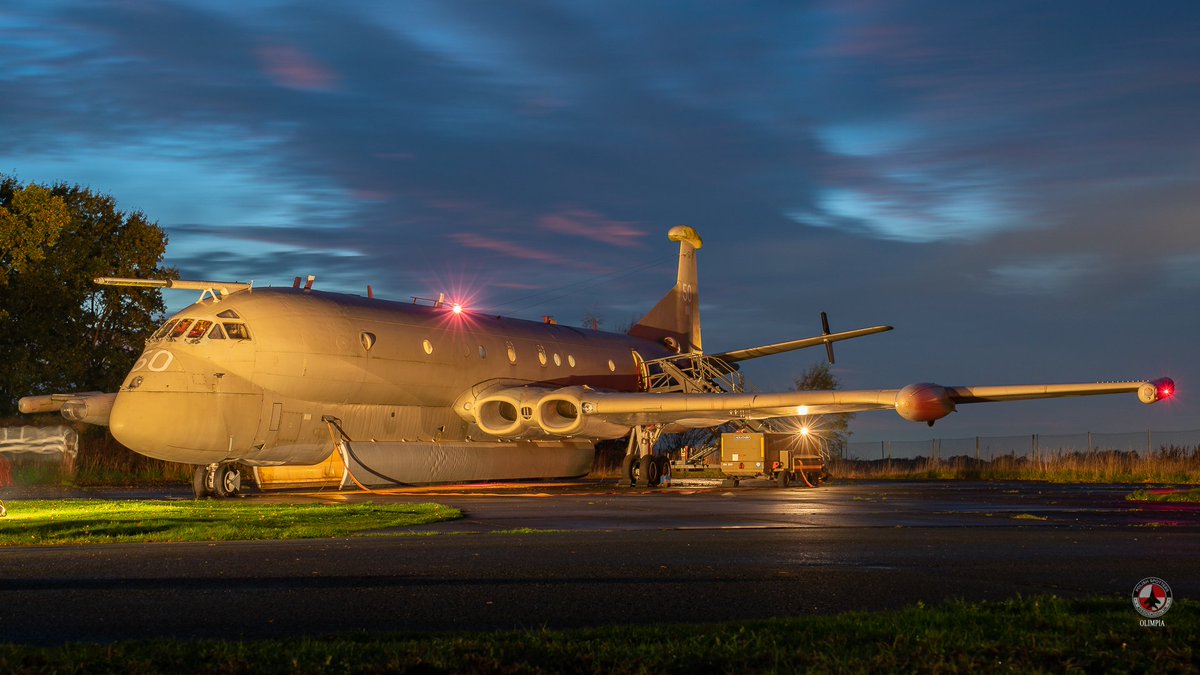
{"type": "Point", "coordinates": [1033, 446]}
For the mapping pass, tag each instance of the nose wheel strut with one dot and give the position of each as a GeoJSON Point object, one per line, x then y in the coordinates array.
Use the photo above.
{"type": "Point", "coordinates": [217, 480]}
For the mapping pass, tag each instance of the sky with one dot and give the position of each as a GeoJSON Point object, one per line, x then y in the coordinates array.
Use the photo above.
{"type": "Point", "coordinates": [1012, 185]}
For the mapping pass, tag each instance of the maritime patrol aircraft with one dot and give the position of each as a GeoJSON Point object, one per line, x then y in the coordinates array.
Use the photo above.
{"type": "Point", "coordinates": [420, 393]}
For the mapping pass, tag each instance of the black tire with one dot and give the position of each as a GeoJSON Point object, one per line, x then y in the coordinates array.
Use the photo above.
{"type": "Point", "coordinates": [649, 471]}
{"type": "Point", "coordinates": [227, 481]}
{"type": "Point", "coordinates": [200, 482]}
{"type": "Point", "coordinates": [783, 478]}
{"type": "Point", "coordinates": [629, 468]}
{"type": "Point", "coordinates": [664, 470]}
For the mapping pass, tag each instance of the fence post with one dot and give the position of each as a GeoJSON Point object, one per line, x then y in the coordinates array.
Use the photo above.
{"type": "Point", "coordinates": [1148, 451]}
{"type": "Point", "coordinates": [1089, 448]}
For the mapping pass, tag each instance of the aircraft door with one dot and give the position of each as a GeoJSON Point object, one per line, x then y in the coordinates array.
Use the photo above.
{"type": "Point", "coordinates": [643, 376]}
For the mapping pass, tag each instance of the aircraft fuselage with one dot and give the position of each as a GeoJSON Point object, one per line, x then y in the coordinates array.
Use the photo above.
{"type": "Point", "coordinates": [250, 378]}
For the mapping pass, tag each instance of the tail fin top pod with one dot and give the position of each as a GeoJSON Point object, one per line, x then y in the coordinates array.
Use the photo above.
{"type": "Point", "coordinates": [676, 318]}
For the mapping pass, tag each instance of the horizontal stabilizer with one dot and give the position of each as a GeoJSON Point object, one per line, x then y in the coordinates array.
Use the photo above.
{"type": "Point", "coordinates": [780, 347]}
{"type": "Point", "coordinates": [214, 287]}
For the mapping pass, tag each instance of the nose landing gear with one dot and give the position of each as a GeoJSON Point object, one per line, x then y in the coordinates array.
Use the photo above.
{"type": "Point", "coordinates": [217, 480]}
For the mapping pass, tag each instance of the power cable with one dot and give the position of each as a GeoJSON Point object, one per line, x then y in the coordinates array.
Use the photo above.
{"type": "Point", "coordinates": [333, 423]}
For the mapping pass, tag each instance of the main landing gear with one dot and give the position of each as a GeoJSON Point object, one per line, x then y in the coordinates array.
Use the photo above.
{"type": "Point", "coordinates": [217, 480]}
{"type": "Point", "coordinates": [640, 466]}
{"type": "Point", "coordinates": [645, 471]}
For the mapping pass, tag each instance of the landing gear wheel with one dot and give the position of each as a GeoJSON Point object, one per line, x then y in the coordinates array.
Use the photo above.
{"type": "Point", "coordinates": [649, 470]}
{"type": "Point", "coordinates": [783, 478]}
{"type": "Point", "coordinates": [227, 480]}
{"type": "Point", "coordinates": [664, 470]}
{"type": "Point", "coordinates": [201, 488]}
{"type": "Point", "coordinates": [629, 467]}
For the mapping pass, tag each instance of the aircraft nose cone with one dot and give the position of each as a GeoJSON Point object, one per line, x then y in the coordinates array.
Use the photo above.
{"type": "Point", "coordinates": [163, 426]}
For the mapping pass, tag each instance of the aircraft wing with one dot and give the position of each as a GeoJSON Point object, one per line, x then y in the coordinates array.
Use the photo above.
{"type": "Point", "coordinates": [780, 347]}
{"type": "Point", "coordinates": [922, 402]}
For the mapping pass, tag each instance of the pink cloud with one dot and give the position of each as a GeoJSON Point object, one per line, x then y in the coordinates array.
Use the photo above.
{"type": "Point", "coordinates": [592, 225]}
{"type": "Point", "coordinates": [514, 250]}
{"type": "Point", "coordinates": [290, 67]}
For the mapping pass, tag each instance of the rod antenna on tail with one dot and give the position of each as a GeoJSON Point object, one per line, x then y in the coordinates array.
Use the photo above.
{"type": "Point", "coordinates": [675, 320]}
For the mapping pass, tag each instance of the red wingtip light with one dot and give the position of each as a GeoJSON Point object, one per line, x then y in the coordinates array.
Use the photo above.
{"type": "Point", "coordinates": [457, 308]}
{"type": "Point", "coordinates": [1157, 390]}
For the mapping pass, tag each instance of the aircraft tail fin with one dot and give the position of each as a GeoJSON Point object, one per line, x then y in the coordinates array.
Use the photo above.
{"type": "Point", "coordinates": [676, 318]}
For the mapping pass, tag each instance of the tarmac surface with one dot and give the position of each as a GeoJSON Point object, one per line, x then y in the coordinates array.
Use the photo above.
{"type": "Point", "coordinates": [586, 554]}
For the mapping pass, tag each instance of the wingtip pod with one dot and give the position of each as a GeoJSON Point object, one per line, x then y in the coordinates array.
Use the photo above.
{"type": "Point", "coordinates": [924, 402]}
{"type": "Point", "coordinates": [1156, 390]}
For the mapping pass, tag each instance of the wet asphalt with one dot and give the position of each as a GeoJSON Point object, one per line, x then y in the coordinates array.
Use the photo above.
{"type": "Point", "coordinates": [587, 554]}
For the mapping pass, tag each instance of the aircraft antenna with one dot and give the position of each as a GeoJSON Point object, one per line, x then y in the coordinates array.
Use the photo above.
{"type": "Point", "coordinates": [825, 331]}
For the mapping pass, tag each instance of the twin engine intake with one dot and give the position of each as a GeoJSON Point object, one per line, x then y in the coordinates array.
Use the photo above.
{"type": "Point", "coordinates": [536, 411]}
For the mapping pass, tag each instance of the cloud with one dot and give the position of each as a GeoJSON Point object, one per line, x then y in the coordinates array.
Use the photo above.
{"type": "Point", "coordinates": [1043, 276]}
{"type": "Point", "coordinates": [288, 66]}
{"type": "Point", "coordinates": [520, 251]}
{"type": "Point", "coordinates": [591, 225]}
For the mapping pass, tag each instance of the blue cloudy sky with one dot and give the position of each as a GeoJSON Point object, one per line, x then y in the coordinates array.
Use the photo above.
{"type": "Point", "coordinates": [1013, 185]}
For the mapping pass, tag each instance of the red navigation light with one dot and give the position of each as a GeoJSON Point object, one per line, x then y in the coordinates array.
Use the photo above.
{"type": "Point", "coordinates": [1166, 389]}
{"type": "Point", "coordinates": [457, 308]}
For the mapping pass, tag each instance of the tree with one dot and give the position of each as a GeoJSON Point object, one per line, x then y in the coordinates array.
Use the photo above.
{"type": "Point", "coordinates": [31, 220]}
{"type": "Point", "coordinates": [834, 428]}
{"type": "Point", "coordinates": [62, 332]}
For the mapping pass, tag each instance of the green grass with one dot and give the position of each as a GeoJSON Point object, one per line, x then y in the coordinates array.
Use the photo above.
{"type": "Point", "coordinates": [1167, 495]}
{"type": "Point", "coordinates": [91, 521]}
{"type": "Point", "coordinates": [1020, 635]}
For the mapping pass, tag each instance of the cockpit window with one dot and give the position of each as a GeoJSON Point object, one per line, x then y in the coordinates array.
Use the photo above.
{"type": "Point", "coordinates": [228, 314]}
{"type": "Point", "coordinates": [180, 328]}
{"type": "Point", "coordinates": [166, 328]}
{"type": "Point", "coordinates": [216, 333]}
{"type": "Point", "coordinates": [237, 331]}
{"type": "Point", "coordinates": [198, 329]}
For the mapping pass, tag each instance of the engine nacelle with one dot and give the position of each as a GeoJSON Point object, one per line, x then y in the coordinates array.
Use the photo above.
{"type": "Point", "coordinates": [1156, 390]}
{"type": "Point", "coordinates": [924, 402]}
{"type": "Point", "coordinates": [508, 413]}
{"type": "Point", "coordinates": [91, 409]}
{"type": "Point", "coordinates": [558, 413]}
{"type": "Point", "coordinates": [45, 403]}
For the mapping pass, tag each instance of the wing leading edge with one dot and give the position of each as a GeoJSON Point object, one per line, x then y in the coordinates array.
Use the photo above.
{"type": "Point", "coordinates": [923, 402]}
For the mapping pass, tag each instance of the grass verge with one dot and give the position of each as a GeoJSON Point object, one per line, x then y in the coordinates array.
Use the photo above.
{"type": "Point", "coordinates": [1165, 465]}
{"type": "Point", "coordinates": [91, 521]}
{"type": "Point", "coordinates": [1021, 635]}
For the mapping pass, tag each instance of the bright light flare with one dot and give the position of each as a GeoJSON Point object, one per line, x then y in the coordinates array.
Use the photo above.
{"type": "Point", "coordinates": [457, 308]}
{"type": "Point", "coordinates": [804, 431]}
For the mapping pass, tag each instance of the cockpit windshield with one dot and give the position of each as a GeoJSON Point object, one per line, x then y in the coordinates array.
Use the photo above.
{"type": "Point", "coordinates": [198, 329]}
{"type": "Point", "coordinates": [166, 328]}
